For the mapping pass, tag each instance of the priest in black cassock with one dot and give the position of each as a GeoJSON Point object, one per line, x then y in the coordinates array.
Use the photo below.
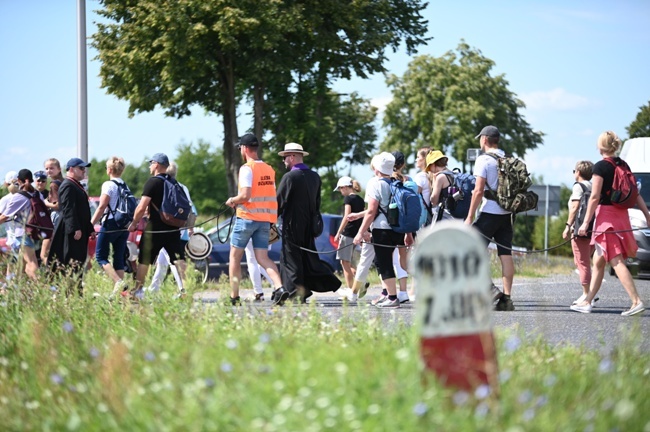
{"type": "Point", "coordinates": [299, 207]}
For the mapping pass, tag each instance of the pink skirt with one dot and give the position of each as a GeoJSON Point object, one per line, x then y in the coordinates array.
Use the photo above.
{"type": "Point", "coordinates": [610, 218]}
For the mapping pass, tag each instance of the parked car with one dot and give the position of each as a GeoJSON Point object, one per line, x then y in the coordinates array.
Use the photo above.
{"type": "Point", "coordinates": [636, 152]}
{"type": "Point", "coordinates": [219, 257]}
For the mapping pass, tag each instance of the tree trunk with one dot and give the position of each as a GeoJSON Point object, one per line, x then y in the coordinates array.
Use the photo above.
{"type": "Point", "coordinates": [232, 157]}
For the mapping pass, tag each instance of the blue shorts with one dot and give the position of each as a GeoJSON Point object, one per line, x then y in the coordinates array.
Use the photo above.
{"type": "Point", "coordinates": [245, 229]}
{"type": "Point", "coordinates": [18, 242]}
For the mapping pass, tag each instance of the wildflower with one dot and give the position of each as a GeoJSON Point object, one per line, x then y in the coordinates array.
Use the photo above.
{"type": "Point", "coordinates": [481, 410]}
{"type": "Point", "coordinates": [482, 391]}
{"type": "Point", "coordinates": [231, 344]}
{"type": "Point", "coordinates": [56, 379]}
{"type": "Point", "coordinates": [461, 398]}
{"type": "Point", "coordinates": [341, 368]}
{"type": "Point", "coordinates": [529, 414]}
{"type": "Point", "coordinates": [265, 338]}
{"type": "Point", "coordinates": [624, 409]}
{"type": "Point", "coordinates": [512, 344]}
{"type": "Point", "coordinates": [420, 409]}
{"type": "Point", "coordinates": [541, 401]}
{"type": "Point", "coordinates": [373, 409]}
{"type": "Point", "coordinates": [605, 366]}
{"type": "Point", "coordinates": [149, 356]}
{"type": "Point", "coordinates": [68, 327]}
{"type": "Point", "coordinates": [94, 352]}
{"type": "Point", "coordinates": [226, 367]}
{"type": "Point", "coordinates": [525, 396]}
{"type": "Point", "coordinates": [504, 376]}
{"type": "Point", "coordinates": [53, 288]}
{"type": "Point", "coordinates": [550, 380]}
{"type": "Point", "coordinates": [322, 402]}
{"type": "Point", "coordinates": [209, 382]}
{"type": "Point", "coordinates": [264, 369]}
{"type": "Point", "coordinates": [402, 354]}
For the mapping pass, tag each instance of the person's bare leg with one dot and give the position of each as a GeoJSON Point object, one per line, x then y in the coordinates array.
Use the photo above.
{"type": "Point", "coordinates": [624, 275]}
{"type": "Point", "coordinates": [507, 272]}
{"type": "Point", "coordinates": [262, 257]}
{"type": "Point", "coordinates": [234, 270]}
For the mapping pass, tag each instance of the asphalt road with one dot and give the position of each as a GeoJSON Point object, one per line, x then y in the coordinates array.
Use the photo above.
{"type": "Point", "coordinates": [542, 309]}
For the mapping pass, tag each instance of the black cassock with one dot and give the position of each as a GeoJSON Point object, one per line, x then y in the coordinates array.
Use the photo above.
{"type": "Point", "coordinates": [298, 200]}
{"type": "Point", "coordinates": [74, 212]}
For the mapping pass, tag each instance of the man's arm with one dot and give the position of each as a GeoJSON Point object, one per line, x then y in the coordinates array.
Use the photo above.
{"type": "Point", "coordinates": [477, 197]}
{"type": "Point", "coordinates": [139, 212]}
{"type": "Point", "coordinates": [242, 197]}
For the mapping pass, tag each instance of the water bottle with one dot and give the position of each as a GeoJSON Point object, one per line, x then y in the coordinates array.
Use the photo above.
{"type": "Point", "coordinates": [393, 214]}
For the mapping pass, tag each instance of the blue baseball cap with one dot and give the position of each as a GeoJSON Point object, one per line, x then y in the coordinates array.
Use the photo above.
{"type": "Point", "coordinates": [160, 158]}
{"type": "Point", "coordinates": [76, 162]}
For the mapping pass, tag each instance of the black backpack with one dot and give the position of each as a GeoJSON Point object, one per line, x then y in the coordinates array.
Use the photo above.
{"type": "Point", "coordinates": [582, 212]}
{"type": "Point", "coordinates": [125, 207]}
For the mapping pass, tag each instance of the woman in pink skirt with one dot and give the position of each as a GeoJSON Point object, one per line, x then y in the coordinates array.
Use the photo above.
{"type": "Point", "coordinates": [612, 236]}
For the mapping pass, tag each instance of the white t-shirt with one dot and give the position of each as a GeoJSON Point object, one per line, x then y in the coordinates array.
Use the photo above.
{"type": "Point", "coordinates": [246, 175]}
{"type": "Point", "coordinates": [109, 188]}
{"type": "Point", "coordinates": [17, 209]}
{"type": "Point", "coordinates": [379, 190]}
{"type": "Point", "coordinates": [576, 191]}
{"type": "Point", "coordinates": [486, 167]}
{"type": "Point", "coordinates": [422, 180]}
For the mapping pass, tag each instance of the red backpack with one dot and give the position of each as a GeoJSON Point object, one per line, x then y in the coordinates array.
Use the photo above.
{"type": "Point", "coordinates": [39, 225]}
{"type": "Point", "coordinates": [624, 189]}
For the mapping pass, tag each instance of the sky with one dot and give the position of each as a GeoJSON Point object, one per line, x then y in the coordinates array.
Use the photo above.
{"type": "Point", "coordinates": [581, 67]}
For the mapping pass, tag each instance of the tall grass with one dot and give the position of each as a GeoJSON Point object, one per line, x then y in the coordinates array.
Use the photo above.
{"type": "Point", "coordinates": [70, 363]}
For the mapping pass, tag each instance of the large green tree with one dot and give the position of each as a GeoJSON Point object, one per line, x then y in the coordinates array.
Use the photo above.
{"type": "Point", "coordinates": [443, 102]}
{"type": "Point", "coordinates": [178, 54]}
{"type": "Point", "coordinates": [640, 127]}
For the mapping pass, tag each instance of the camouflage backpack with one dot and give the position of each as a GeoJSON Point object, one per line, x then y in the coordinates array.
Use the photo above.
{"type": "Point", "coordinates": [512, 192]}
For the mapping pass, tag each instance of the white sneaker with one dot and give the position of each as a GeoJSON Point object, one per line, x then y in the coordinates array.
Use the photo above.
{"type": "Point", "coordinates": [402, 296]}
{"type": "Point", "coordinates": [352, 297]}
{"type": "Point", "coordinates": [582, 298]}
{"type": "Point", "coordinates": [344, 293]}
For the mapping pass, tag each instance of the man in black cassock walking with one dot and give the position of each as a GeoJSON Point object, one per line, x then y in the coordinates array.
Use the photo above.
{"type": "Point", "coordinates": [299, 207]}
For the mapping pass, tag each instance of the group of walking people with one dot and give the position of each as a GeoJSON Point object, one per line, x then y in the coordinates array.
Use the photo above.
{"type": "Point", "coordinates": [296, 201]}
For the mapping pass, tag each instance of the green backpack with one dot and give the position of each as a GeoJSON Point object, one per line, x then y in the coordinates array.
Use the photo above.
{"type": "Point", "coordinates": [512, 192]}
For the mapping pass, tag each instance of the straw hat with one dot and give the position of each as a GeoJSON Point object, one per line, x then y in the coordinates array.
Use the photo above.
{"type": "Point", "coordinates": [292, 148]}
{"type": "Point", "coordinates": [199, 246]}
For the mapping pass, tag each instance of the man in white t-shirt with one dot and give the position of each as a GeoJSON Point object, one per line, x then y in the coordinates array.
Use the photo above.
{"type": "Point", "coordinates": [494, 223]}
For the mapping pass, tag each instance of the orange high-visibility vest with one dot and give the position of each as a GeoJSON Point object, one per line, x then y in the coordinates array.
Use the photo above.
{"type": "Point", "coordinates": [263, 203]}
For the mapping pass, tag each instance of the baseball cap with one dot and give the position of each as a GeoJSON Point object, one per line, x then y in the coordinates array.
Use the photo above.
{"type": "Point", "coordinates": [40, 175]}
{"type": "Point", "coordinates": [160, 158]}
{"type": "Point", "coordinates": [11, 177]}
{"type": "Point", "coordinates": [76, 162]}
{"type": "Point", "coordinates": [490, 131]}
{"type": "Point", "coordinates": [399, 159]}
{"type": "Point", "coordinates": [343, 181]}
{"type": "Point", "coordinates": [248, 140]}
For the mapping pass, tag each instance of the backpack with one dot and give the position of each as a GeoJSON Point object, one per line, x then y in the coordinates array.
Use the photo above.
{"type": "Point", "coordinates": [125, 207]}
{"type": "Point", "coordinates": [512, 192]}
{"type": "Point", "coordinates": [582, 211]}
{"type": "Point", "coordinates": [459, 194]}
{"type": "Point", "coordinates": [425, 214]}
{"type": "Point", "coordinates": [175, 208]}
{"type": "Point", "coordinates": [624, 189]}
{"type": "Point", "coordinates": [39, 224]}
{"type": "Point", "coordinates": [404, 208]}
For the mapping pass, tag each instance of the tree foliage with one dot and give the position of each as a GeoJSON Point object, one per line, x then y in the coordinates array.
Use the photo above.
{"type": "Point", "coordinates": [640, 127]}
{"type": "Point", "coordinates": [201, 169]}
{"type": "Point", "coordinates": [443, 102]}
{"type": "Point", "coordinates": [212, 53]}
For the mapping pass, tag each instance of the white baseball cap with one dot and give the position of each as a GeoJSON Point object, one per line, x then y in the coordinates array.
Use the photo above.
{"type": "Point", "coordinates": [343, 181]}
{"type": "Point", "coordinates": [11, 176]}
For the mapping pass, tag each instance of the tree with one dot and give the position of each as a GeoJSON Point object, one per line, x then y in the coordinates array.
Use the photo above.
{"type": "Point", "coordinates": [211, 53]}
{"type": "Point", "coordinates": [443, 102]}
{"type": "Point", "coordinates": [201, 168]}
{"type": "Point", "coordinates": [640, 127]}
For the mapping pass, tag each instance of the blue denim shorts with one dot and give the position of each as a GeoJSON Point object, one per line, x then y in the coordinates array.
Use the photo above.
{"type": "Point", "coordinates": [245, 229]}
{"type": "Point", "coordinates": [18, 242]}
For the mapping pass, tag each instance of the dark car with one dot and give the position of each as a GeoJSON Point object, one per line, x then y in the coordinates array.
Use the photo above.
{"type": "Point", "coordinates": [219, 257]}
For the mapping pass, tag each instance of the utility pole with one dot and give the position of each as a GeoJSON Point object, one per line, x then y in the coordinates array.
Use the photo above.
{"type": "Point", "coordinates": [82, 83]}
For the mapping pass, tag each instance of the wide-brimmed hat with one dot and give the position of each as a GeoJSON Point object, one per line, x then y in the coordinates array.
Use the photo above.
{"type": "Point", "coordinates": [384, 163]}
{"type": "Point", "coordinates": [11, 177]}
{"type": "Point", "coordinates": [434, 156]}
{"type": "Point", "coordinates": [199, 246]}
{"type": "Point", "coordinates": [292, 148]}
